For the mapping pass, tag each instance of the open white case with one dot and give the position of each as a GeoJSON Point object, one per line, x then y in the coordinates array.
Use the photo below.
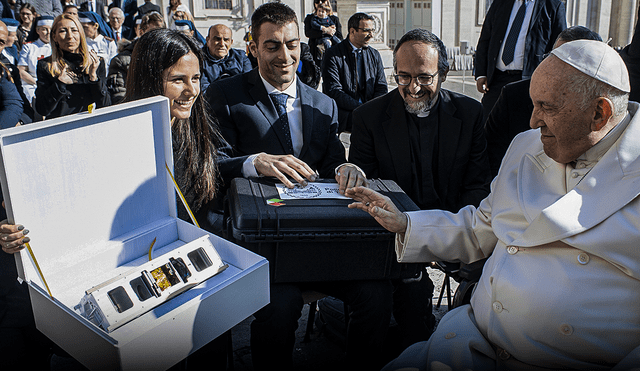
{"type": "Point", "coordinates": [94, 192]}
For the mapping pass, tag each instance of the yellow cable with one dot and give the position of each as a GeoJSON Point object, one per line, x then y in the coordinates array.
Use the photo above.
{"type": "Point", "coordinates": [151, 248]}
{"type": "Point", "coordinates": [184, 201]}
{"type": "Point", "coordinates": [33, 257]}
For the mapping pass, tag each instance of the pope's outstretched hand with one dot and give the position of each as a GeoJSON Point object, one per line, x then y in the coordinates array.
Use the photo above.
{"type": "Point", "coordinates": [380, 207]}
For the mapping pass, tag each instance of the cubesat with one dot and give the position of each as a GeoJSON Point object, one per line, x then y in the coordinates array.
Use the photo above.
{"type": "Point", "coordinates": [123, 298]}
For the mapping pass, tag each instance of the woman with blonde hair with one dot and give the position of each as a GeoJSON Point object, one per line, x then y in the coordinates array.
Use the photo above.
{"type": "Point", "coordinates": [72, 78]}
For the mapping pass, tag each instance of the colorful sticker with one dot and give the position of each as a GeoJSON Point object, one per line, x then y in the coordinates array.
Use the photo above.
{"type": "Point", "coordinates": [275, 202]}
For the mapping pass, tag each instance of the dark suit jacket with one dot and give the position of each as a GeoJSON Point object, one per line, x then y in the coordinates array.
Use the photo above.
{"type": "Point", "coordinates": [246, 115]}
{"type": "Point", "coordinates": [339, 79]}
{"type": "Point", "coordinates": [130, 8]}
{"type": "Point", "coordinates": [308, 71]}
{"type": "Point", "coordinates": [631, 57]}
{"type": "Point", "coordinates": [509, 117]}
{"type": "Point", "coordinates": [5, 10]}
{"type": "Point", "coordinates": [380, 146]}
{"type": "Point", "coordinates": [148, 7]}
{"type": "Point", "coordinates": [27, 110]}
{"type": "Point", "coordinates": [84, 7]}
{"type": "Point", "coordinates": [126, 31]}
{"type": "Point", "coordinates": [547, 21]}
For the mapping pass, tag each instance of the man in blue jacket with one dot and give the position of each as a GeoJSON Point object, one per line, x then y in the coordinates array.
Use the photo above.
{"type": "Point", "coordinates": [353, 72]}
{"type": "Point", "coordinates": [220, 59]}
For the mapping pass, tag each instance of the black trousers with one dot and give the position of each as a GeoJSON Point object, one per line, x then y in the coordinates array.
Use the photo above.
{"type": "Point", "coordinates": [273, 330]}
{"type": "Point", "coordinates": [22, 346]}
{"type": "Point", "coordinates": [412, 310]}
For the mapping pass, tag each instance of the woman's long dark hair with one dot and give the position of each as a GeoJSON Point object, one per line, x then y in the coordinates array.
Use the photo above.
{"type": "Point", "coordinates": [195, 139]}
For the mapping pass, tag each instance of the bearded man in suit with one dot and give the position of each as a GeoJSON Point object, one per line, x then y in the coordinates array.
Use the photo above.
{"type": "Point", "coordinates": [431, 142]}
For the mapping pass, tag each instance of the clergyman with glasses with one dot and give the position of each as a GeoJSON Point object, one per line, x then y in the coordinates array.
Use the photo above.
{"type": "Point", "coordinates": [431, 142]}
{"type": "Point", "coordinates": [353, 72]}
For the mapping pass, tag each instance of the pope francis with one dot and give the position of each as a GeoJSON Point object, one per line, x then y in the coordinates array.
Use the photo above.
{"type": "Point", "coordinates": [561, 228]}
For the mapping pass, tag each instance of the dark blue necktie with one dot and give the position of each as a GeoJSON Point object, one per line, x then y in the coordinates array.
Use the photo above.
{"type": "Point", "coordinates": [512, 39]}
{"type": "Point", "coordinates": [280, 101]}
{"type": "Point", "coordinates": [360, 68]}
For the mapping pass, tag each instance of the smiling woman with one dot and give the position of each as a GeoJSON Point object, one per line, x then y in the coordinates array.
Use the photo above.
{"type": "Point", "coordinates": [167, 62]}
{"type": "Point", "coordinates": [72, 78]}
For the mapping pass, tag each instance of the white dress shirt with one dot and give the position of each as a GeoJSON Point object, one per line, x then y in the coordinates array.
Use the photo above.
{"type": "Point", "coordinates": [518, 55]}
{"type": "Point", "coordinates": [294, 114]}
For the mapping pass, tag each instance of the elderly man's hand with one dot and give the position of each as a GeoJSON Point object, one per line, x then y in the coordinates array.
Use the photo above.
{"type": "Point", "coordinates": [12, 237]}
{"type": "Point", "coordinates": [380, 207]}
{"type": "Point", "coordinates": [280, 166]}
{"type": "Point", "coordinates": [349, 176]}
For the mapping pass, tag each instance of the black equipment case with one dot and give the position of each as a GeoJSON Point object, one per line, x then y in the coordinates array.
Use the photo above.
{"type": "Point", "coordinates": [308, 240]}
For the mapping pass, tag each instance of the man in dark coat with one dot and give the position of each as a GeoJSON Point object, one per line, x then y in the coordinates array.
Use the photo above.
{"type": "Point", "coordinates": [353, 72]}
{"type": "Point", "coordinates": [148, 7]}
{"type": "Point", "coordinates": [27, 110]}
{"type": "Point", "coordinates": [430, 141]}
{"type": "Point", "coordinates": [515, 36]}
{"type": "Point", "coordinates": [96, 6]}
{"type": "Point", "coordinates": [631, 57]}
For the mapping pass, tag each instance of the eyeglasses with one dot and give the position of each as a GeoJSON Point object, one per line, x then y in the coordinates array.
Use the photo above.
{"type": "Point", "coordinates": [366, 30]}
{"type": "Point", "coordinates": [423, 80]}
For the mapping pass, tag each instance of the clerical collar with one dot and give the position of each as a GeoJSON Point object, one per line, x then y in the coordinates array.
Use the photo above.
{"type": "Point", "coordinates": [291, 91]}
{"type": "Point", "coordinates": [595, 153]}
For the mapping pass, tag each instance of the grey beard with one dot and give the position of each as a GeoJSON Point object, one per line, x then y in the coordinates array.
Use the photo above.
{"type": "Point", "coordinates": [418, 108]}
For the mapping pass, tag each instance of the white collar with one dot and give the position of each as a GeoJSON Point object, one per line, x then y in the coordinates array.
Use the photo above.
{"type": "Point", "coordinates": [96, 40]}
{"type": "Point", "coordinates": [291, 91]}
{"type": "Point", "coordinates": [595, 153]}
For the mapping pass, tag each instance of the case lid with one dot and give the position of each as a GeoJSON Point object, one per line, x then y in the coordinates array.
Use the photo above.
{"type": "Point", "coordinates": [82, 183]}
{"type": "Point", "coordinates": [253, 215]}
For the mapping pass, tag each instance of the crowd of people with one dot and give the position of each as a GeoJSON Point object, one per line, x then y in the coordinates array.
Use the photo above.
{"type": "Point", "coordinates": [109, 31]}
{"type": "Point", "coordinates": [552, 211]}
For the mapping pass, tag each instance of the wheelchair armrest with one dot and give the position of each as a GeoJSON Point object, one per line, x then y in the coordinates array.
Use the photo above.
{"type": "Point", "coordinates": [471, 272]}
